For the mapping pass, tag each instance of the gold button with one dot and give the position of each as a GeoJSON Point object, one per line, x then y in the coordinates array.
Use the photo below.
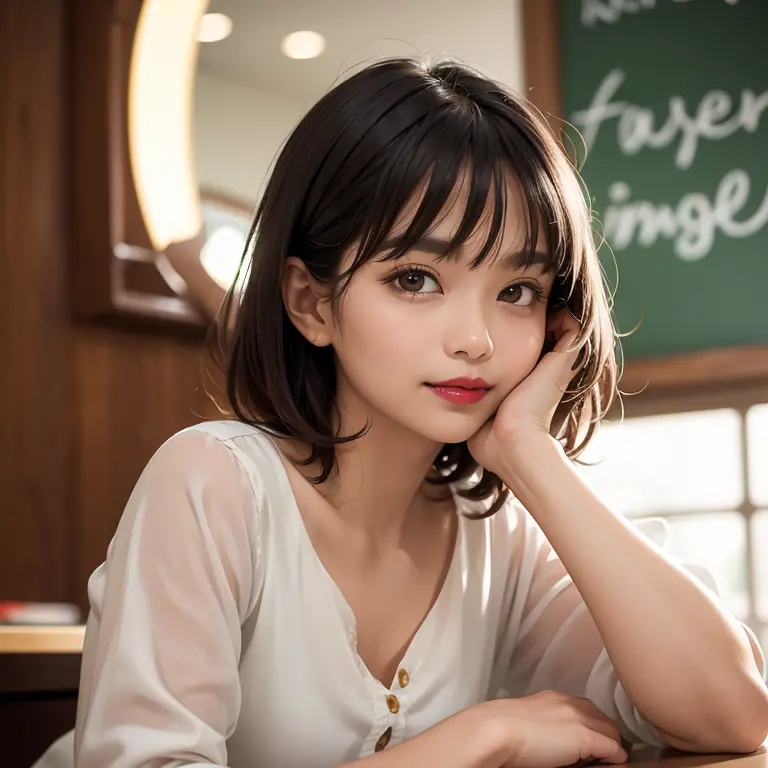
{"type": "Point", "coordinates": [393, 704]}
{"type": "Point", "coordinates": [384, 739]}
{"type": "Point", "coordinates": [403, 678]}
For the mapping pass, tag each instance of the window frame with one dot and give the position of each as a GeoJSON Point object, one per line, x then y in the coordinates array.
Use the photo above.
{"type": "Point", "coordinates": [741, 398]}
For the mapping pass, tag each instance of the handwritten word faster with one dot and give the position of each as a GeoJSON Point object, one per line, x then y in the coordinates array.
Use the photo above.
{"type": "Point", "coordinates": [635, 124]}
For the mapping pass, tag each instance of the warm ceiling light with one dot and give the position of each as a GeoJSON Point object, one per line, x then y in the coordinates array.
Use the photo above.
{"type": "Point", "coordinates": [214, 27]}
{"type": "Point", "coordinates": [303, 45]}
{"type": "Point", "coordinates": [160, 98]}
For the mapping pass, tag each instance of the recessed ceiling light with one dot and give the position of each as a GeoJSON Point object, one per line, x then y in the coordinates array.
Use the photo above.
{"type": "Point", "coordinates": [303, 45]}
{"type": "Point", "coordinates": [214, 27]}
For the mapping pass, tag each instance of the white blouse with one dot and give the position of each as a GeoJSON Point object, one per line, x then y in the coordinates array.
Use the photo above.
{"type": "Point", "coordinates": [217, 638]}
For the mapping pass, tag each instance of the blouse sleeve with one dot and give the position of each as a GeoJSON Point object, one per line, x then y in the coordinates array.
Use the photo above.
{"type": "Point", "coordinates": [159, 683]}
{"type": "Point", "coordinates": [558, 646]}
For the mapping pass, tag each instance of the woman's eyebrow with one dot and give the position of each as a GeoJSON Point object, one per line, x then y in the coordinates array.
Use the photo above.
{"type": "Point", "coordinates": [516, 260]}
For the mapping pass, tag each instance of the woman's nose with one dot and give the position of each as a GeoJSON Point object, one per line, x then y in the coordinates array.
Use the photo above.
{"type": "Point", "coordinates": [470, 337]}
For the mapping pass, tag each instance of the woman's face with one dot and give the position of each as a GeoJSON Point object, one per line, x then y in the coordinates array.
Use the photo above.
{"type": "Point", "coordinates": [406, 325]}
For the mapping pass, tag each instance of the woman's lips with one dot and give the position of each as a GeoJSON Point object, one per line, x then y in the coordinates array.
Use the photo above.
{"type": "Point", "coordinates": [460, 395]}
{"type": "Point", "coordinates": [462, 382]}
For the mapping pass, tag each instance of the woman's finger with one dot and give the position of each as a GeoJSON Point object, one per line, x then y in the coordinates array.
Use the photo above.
{"type": "Point", "coordinates": [567, 342]}
{"type": "Point", "coordinates": [589, 708]}
{"type": "Point", "coordinates": [605, 726]}
{"type": "Point", "coordinates": [606, 749]}
{"type": "Point", "coordinates": [565, 360]}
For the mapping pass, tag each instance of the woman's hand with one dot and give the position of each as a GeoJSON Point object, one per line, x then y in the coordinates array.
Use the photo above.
{"type": "Point", "coordinates": [529, 408]}
{"type": "Point", "coordinates": [204, 291]}
{"type": "Point", "coordinates": [552, 729]}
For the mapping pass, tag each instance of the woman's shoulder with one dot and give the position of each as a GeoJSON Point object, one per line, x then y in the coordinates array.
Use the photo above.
{"type": "Point", "coordinates": [506, 525]}
{"type": "Point", "coordinates": [201, 466]}
{"type": "Point", "coordinates": [510, 534]}
{"type": "Point", "coordinates": [224, 463]}
{"type": "Point", "coordinates": [217, 442]}
{"type": "Point", "coordinates": [518, 524]}
{"type": "Point", "coordinates": [221, 465]}
{"type": "Point", "coordinates": [231, 433]}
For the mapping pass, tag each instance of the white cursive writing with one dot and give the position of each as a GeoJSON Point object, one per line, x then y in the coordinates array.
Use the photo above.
{"type": "Point", "coordinates": [611, 11]}
{"type": "Point", "coordinates": [635, 127]}
{"type": "Point", "coordinates": [692, 225]}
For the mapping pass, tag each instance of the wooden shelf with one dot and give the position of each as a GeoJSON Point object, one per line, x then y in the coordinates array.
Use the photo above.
{"type": "Point", "coordinates": [18, 639]}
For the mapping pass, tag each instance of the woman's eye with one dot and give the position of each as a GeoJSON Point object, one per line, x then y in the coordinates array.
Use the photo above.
{"type": "Point", "coordinates": [414, 281]}
{"type": "Point", "coordinates": [521, 295]}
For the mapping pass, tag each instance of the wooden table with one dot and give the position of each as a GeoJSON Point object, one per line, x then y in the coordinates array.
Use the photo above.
{"type": "Point", "coordinates": [14, 639]}
{"type": "Point", "coordinates": [39, 677]}
{"type": "Point", "coordinates": [648, 757]}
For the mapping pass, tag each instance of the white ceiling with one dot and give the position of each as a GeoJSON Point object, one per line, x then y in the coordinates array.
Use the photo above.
{"type": "Point", "coordinates": [484, 33]}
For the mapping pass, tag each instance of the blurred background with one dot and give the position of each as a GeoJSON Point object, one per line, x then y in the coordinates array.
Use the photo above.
{"type": "Point", "coordinates": [135, 140]}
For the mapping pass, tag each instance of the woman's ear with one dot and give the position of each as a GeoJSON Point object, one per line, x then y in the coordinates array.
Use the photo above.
{"type": "Point", "coordinates": [306, 303]}
{"type": "Point", "coordinates": [555, 325]}
{"type": "Point", "coordinates": [549, 343]}
{"type": "Point", "coordinates": [553, 330]}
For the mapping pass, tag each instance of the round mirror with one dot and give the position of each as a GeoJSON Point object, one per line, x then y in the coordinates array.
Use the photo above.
{"type": "Point", "coordinates": [262, 65]}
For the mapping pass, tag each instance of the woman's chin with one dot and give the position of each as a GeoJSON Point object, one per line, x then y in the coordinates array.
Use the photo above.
{"type": "Point", "coordinates": [448, 430]}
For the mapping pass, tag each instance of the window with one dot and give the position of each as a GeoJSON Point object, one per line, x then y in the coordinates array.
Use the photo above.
{"type": "Point", "coordinates": [226, 223]}
{"type": "Point", "coordinates": [702, 465]}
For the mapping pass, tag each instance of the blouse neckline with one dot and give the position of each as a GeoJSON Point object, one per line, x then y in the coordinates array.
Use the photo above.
{"type": "Point", "coordinates": [417, 649]}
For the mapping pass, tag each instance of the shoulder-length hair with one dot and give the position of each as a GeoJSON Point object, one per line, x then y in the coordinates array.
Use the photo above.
{"type": "Point", "coordinates": [344, 175]}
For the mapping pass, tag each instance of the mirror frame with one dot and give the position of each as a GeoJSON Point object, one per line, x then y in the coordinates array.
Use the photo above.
{"type": "Point", "coordinates": [117, 275]}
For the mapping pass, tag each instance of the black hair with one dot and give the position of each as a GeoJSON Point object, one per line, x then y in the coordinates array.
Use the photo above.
{"type": "Point", "coordinates": [344, 175]}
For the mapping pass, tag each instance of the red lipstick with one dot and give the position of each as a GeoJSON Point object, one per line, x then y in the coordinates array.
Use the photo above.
{"type": "Point", "coordinates": [463, 382]}
{"type": "Point", "coordinates": [462, 390]}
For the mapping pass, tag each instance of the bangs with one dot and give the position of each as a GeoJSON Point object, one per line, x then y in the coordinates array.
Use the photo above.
{"type": "Point", "coordinates": [455, 155]}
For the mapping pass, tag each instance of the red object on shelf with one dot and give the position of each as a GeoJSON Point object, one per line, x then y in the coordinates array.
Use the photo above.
{"type": "Point", "coordinates": [53, 614]}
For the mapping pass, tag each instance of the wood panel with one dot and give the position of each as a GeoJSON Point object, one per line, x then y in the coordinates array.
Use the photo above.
{"type": "Point", "coordinates": [38, 703]}
{"type": "Point", "coordinates": [36, 340]}
{"type": "Point", "coordinates": [541, 58]}
{"type": "Point", "coordinates": [82, 406]}
{"type": "Point", "coordinates": [134, 391]}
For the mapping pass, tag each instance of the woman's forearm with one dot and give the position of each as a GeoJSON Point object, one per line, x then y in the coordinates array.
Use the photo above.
{"type": "Point", "coordinates": [684, 661]}
{"type": "Point", "coordinates": [202, 289]}
{"type": "Point", "coordinates": [465, 740]}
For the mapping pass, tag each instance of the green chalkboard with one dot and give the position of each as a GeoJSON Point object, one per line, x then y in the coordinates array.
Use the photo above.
{"type": "Point", "coordinates": [672, 99]}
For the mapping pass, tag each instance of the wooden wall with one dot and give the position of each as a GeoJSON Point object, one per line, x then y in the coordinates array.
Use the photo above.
{"type": "Point", "coordinates": [82, 408]}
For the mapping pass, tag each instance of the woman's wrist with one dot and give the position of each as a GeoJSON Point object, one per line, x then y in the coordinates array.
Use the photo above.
{"type": "Point", "coordinates": [491, 732]}
{"type": "Point", "coordinates": [472, 738]}
{"type": "Point", "coordinates": [538, 458]}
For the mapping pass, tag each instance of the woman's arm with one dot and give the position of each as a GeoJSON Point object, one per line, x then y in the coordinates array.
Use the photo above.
{"type": "Point", "coordinates": [685, 662]}
{"type": "Point", "coordinates": [202, 289]}
{"type": "Point", "coordinates": [468, 739]}
{"type": "Point", "coordinates": [160, 682]}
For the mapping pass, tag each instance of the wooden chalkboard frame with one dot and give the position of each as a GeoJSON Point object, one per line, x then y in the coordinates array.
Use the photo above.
{"type": "Point", "coordinates": [676, 373]}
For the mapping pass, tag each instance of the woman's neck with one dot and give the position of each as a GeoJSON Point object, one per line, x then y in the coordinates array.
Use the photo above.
{"type": "Point", "coordinates": [379, 487]}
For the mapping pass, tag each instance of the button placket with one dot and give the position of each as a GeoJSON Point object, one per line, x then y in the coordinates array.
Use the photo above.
{"type": "Point", "coordinates": [383, 740]}
{"type": "Point", "coordinates": [395, 716]}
